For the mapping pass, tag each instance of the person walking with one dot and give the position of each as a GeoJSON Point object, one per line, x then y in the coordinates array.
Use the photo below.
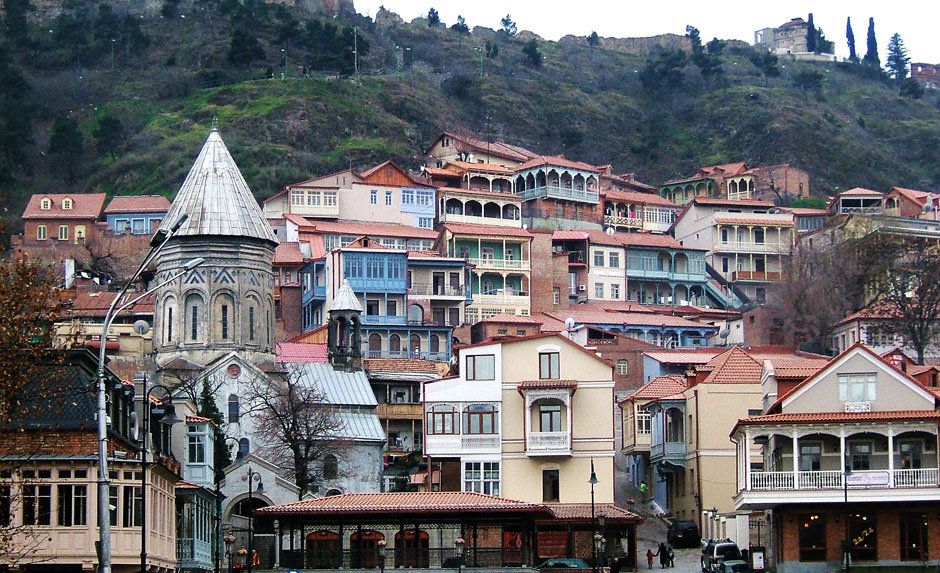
{"type": "Point", "coordinates": [663, 553]}
{"type": "Point", "coordinates": [643, 490]}
{"type": "Point", "coordinates": [649, 558]}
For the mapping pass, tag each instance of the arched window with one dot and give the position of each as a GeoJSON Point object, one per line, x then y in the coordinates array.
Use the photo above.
{"type": "Point", "coordinates": [193, 309]}
{"type": "Point", "coordinates": [330, 467]}
{"type": "Point", "coordinates": [442, 419]}
{"type": "Point", "coordinates": [394, 344]}
{"type": "Point", "coordinates": [233, 408]}
{"type": "Point", "coordinates": [434, 345]}
{"type": "Point", "coordinates": [415, 314]}
{"type": "Point", "coordinates": [414, 344]}
{"type": "Point", "coordinates": [244, 447]}
{"type": "Point", "coordinates": [375, 345]}
{"type": "Point", "coordinates": [481, 419]}
{"type": "Point", "coordinates": [169, 314]}
{"type": "Point", "coordinates": [224, 311]}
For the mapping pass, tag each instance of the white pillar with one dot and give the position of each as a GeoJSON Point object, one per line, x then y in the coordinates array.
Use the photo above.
{"type": "Point", "coordinates": [747, 458]}
{"type": "Point", "coordinates": [891, 456]}
{"type": "Point", "coordinates": [796, 460]}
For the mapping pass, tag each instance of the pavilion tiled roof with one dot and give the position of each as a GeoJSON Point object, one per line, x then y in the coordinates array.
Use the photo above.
{"type": "Point", "coordinates": [138, 204]}
{"type": "Point", "coordinates": [557, 161]}
{"type": "Point", "coordinates": [638, 197]}
{"type": "Point", "coordinates": [547, 384]}
{"type": "Point", "coordinates": [497, 148]}
{"type": "Point", "coordinates": [659, 387]}
{"type": "Point", "coordinates": [727, 168]}
{"type": "Point", "coordinates": [580, 511]}
{"type": "Point", "coordinates": [404, 502]}
{"type": "Point", "coordinates": [301, 352]}
{"type": "Point", "coordinates": [859, 191]}
{"type": "Point", "coordinates": [371, 229]}
{"type": "Point", "coordinates": [84, 206]}
{"type": "Point", "coordinates": [735, 366]}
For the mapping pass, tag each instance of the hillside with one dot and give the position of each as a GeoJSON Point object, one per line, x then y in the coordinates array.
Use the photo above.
{"type": "Point", "coordinates": [165, 74]}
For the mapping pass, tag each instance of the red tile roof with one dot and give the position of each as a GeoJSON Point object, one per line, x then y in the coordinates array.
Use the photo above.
{"type": "Point", "coordinates": [497, 148]}
{"type": "Point", "coordinates": [638, 197]}
{"type": "Point", "coordinates": [93, 304]}
{"type": "Point", "coordinates": [547, 384]}
{"type": "Point", "coordinates": [916, 369]}
{"type": "Point", "coordinates": [404, 502]}
{"type": "Point", "coordinates": [138, 204]}
{"type": "Point", "coordinates": [859, 191]}
{"type": "Point", "coordinates": [84, 206]}
{"type": "Point", "coordinates": [510, 318]}
{"type": "Point", "coordinates": [659, 387]}
{"type": "Point", "coordinates": [804, 211]}
{"type": "Point", "coordinates": [198, 420]}
{"type": "Point", "coordinates": [835, 417]}
{"type": "Point", "coordinates": [581, 511]}
{"type": "Point", "coordinates": [732, 202]}
{"type": "Point", "coordinates": [685, 356]}
{"type": "Point", "coordinates": [489, 230]}
{"type": "Point", "coordinates": [726, 168]}
{"type": "Point", "coordinates": [372, 229]}
{"type": "Point", "coordinates": [734, 366]}
{"type": "Point", "coordinates": [788, 364]}
{"type": "Point", "coordinates": [627, 318]}
{"type": "Point", "coordinates": [481, 167]}
{"type": "Point", "coordinates": [400, 365]}
{"type": "Point", "coordinates": [557, 161]}
{"type": "Point", "coordinates": [288, 254]}
{"type": "Point", "coordinates": [919, 197]}
{"type": "Point", "coordinates": [301, 352]}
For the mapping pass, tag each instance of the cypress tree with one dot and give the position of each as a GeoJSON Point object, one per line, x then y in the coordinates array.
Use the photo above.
{"type": "Point", "coordinates": [208, 409]}
{"type": "Point", "coordinates": [810, 35]}
{"type": "Point", "coordinates": [850, 38]}
{"type": "Point", "coordinates": [871, 56]}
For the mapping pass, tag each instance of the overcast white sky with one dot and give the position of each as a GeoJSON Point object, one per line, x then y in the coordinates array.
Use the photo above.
{"type": "Point", "coordinates": [915, 21]}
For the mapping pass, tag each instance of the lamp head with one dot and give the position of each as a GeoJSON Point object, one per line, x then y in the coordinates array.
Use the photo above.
{"type": "Point", "coordinates": [260, 488]}
{"type": "Point", "coordinates": [170, 417]}
{"type": "Point", "coordinates": [193, 263]}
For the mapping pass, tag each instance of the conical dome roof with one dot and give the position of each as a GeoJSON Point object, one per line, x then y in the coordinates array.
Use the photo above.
{"type": "Point", "coordinates": [345, 299]}
{"type": "Point", "coordinates": [217, 198]}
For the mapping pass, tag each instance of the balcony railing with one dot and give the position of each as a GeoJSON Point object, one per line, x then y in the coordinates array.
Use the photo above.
{"type": "Point", "coordinates": [193, 553]}
{"type": "Point", "coordinates": [833, 480]}
{"type": "Point", "coordinates": [672, 451]}
{"type": "Point", "coordinates": [752, 247]}
{"type": "Point", "coordinates": [479, 442]}
{"type": "Point", "coordinates": [316, 210]}
{"type": "Point", "coordinates": [502, 298]}
{"type": "Point", "coordinates": [500, 264]}
{"type": "Point", "coordinates": [479, 220]}
{"type": "Point", "coordinates": [756, 276]}
{"type": "Point", "coordinates": [616, 221]}
{"type": "Point", "coordinates": [436, 290]}
{"type": "Point", "coordinates": [384, 319]}
{"type": "Point", "coordinates": [555, 192]}
{"type": "Point", "coordinates": [435, 356]}
{"type": "Point", "coordinates": [548, 443]}
{"type": "Point", "coordinates": [846, 210]}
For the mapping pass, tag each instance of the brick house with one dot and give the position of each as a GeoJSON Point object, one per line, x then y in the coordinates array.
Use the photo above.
{"type": "Point", "coordinates": [65, 218]}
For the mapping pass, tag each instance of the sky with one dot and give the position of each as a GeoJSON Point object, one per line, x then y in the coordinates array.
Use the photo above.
{"type": "Point", "coordinates": [916, 22]}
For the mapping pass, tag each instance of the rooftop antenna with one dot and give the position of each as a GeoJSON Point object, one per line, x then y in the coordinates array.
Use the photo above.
{"type": "Point", "coordinates": [215, 123]}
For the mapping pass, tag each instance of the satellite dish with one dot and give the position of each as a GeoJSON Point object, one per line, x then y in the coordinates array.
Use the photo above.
{"type": "Point", "coordinates": [141, 327]}
{"type": "Point", "coordinates": [724, 333]}
{"type": "Point", "coordinates": [610, 230]}
{"type": "Point", "coordinates": [569, 323]}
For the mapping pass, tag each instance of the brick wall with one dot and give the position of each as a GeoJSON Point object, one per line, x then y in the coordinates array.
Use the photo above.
{"type": "Point", "coordinates": [540, 290]}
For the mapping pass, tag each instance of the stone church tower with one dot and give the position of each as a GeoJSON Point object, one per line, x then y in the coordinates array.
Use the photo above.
{"type": "Point", "coordinates": [227, 303]}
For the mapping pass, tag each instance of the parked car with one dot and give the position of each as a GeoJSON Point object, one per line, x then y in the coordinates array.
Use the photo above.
{"type": "Point", "coordinates": [683, 534]}
{"type": "Point", "coordinates": [564, 563]}
{"type": "Point", "coordinates": [717, 551]}
{"type": "Point", "coordinates": [734, 566]}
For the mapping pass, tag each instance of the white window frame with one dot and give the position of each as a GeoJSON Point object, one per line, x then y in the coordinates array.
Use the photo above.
{"type": "Point", "coordinates": [42, 233]}
{"type": "Point", "coordinates": [858, 387]}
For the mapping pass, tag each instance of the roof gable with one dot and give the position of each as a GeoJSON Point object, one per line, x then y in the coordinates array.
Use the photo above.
{"type": "Point", "coordinates": [895, 390]}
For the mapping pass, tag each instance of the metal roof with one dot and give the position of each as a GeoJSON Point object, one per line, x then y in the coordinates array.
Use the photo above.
{"type": "Point", "coordinates": [345, 299]}
{"type": "Point", "coordinates": [339, 388]}
{"type": "Point", "coordinates": [361, 426]}
{"type": "Point", "coordinates": [217, 198]}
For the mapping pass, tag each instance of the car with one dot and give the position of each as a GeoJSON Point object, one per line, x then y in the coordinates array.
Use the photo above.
{"type": "Point", "coordinates": [564, 563]}
{"type": "Point", "coordinates": [734, 566]}
{"type": "Point", "coordinates": [683, 534]}
{"type": "Point", "coordinates": [718, 550]}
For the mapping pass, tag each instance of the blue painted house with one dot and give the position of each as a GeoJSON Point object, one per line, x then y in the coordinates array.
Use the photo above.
{"type": "Point", "coordinates": [137, 215]}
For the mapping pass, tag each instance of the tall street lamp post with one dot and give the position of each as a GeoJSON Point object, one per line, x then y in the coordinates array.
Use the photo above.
{"type": "Point", "coordinates": [219, 474]}
{"type": "Point", "coordinates": [846, 545]}
{"type": "Point", "coordinates": [382, 545]}
{"type": "Point", "coordinates": [459, 547]}
{"type": "Point", "coordinates": [593, 481]}
{"type": "Point", "coordinates": [157, 243]}
{"type": "Point", "coordinates": [168, 418]}
{"type": "Point", "coordinates": [251, 476]}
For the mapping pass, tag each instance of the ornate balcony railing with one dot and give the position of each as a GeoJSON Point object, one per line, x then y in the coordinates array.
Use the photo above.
{"type": "Point", "coordinates": [555, 192]}
{"type": "Point", "coordinates": [833, 480]}
{"type": "Point", "coordinates": [548, 443]}
{"type": "Point", "coordinates": [500, 264]}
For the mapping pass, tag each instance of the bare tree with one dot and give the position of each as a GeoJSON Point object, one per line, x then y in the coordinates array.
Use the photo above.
{"type": "Point", "coordinates": [909, 292]}
{"type": "Point", "coordinates": [299, 427]}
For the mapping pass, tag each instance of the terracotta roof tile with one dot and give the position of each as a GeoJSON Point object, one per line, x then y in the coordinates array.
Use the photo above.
{"type": "Point", "coordinates": [827, 417]}
{"type": "Point", "coordinates": [497, 148]}
{"type": "Point", "coordinates": [859, 191]}
{"type": "Point", "coordinates": [803, 211]}
{"type": "Point", "coordinates": [481, 167]}
{"type": "Point", "coordinates": [540, 384]}
{"type": "Point", "coordinates": [301, 352]}
{"type": "Point", "coordinates": [919, 197]}
{"type": "Point", "coordinates": [138, 204]}
{"type": "Point", "coordinates": [372, 229]}
{"type": "Point", "coordinates": [726, 168]}
{"type": "Point", "coordinates": [91, 304]}
{"type": "Point", "coordinates": [638, 197]}
{"type": "Point", "coordinates": [84, 206]}
{"type": "Point", "coordinates": [198, 420]}
{"type": "Point", "coordinates": [732, 202]}
{"type": "Point", "coordinates": [628, 318]}
{"type": "Point", "coordinates": [404, 502]}
{"type": "Point", "coordinates": [288, 254]}
{"type": "Point", "coordinates": [659, 387]}
{"type": "Point", "coordinates": [735, 366]}
{"type": "Point", "coordinates": [917, 369]}
{"type": "Point", "coordinates": [557, 161]}
{"type": "Point", "coordinates": [510, 318]}
{"type": "Point", "coordinates": [583, 511]}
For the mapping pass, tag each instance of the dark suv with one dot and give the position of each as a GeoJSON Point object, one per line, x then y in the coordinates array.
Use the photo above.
{"type": "Point", "coordinates": [683, 534]}
{"type": "Point", "coordinates": [717, 551]}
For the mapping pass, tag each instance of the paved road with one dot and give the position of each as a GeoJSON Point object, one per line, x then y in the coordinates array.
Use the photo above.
{"type": "Point", "coordinates": [651, 534]}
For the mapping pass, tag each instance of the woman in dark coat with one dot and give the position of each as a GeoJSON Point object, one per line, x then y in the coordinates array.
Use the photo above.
{"type": "Point", "coordinates": [663, 553]}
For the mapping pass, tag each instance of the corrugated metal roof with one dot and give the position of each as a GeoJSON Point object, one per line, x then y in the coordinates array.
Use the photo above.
{"type": "Point", "coordinates": [362, 426]}
{"type": "Point", "coordinates": [217, 198]}
{"type": "Point", "coordinates": [339, 388]}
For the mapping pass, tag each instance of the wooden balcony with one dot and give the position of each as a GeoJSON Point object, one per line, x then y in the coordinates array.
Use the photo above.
{"type": "Point", "coordinates": [756, 276]}
{"type": "Point", "coordinates": [480, 220]}
{"type": "Point", "coordinates": [615, 221]}
{"type": "Point", "coordinates": [499, 264]}
{"type": "Point", "coordinates": [668, 452]}
{"type": "Point", "coordinates": [413, 411]}
{"type": "Point", "coordinates": [555, 192]}
{"type": "Point", "coordinates": [752, 247]}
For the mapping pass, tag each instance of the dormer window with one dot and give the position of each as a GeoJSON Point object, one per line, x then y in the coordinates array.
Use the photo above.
{"type": "Point", "coordinates": [67, 204]}
{"type": "Point", "coordinates": [45, 204]}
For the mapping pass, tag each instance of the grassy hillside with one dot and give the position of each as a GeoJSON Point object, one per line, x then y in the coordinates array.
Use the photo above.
{"type": "Point", "coordinates": [585, 102]}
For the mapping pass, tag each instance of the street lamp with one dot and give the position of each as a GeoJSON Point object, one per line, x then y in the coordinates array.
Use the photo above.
{"type": "Point", "coordinates": [846, 547]}
{"type": "Point", "coordinates": [251, 477]}
{"type": "Point", "coordinates": [598, 545]}
{"type": "Point", "coordinates": [219, 473]}
{"type": "Point", "coordinates": [157, 242]}
{"type": "Point", "coordinates": [592, 481]}
{"type": "Point", "coordinates": [229, 549]}
{"type": "Point", "coordinates": [459, 544]}
{"type": "Point", "coordinates": [168, 417]}
{"type": "Point", "coordinates": [600, 525]}
{"type": "Point", "coordinates": [382, 546]}
{"type": "Point", "coordinates": [479, 50]}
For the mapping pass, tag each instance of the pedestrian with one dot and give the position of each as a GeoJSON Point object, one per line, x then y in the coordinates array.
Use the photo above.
{"type": "Point", "coordinates": [672, 557]}
{"type": "Point", "coordinates": [615, 566]}
{"type": "Point", "coordinates": [643, 489]}
{"type": "Point", "coordinates": [649, 558]}
{"type": "Point", "coordinates": [663, 553]}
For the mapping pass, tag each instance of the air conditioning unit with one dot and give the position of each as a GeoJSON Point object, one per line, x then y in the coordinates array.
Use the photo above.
{"type": "Point", "coordinates": [582, 288]}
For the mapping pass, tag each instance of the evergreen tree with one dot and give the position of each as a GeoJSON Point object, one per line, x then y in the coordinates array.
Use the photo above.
{"type": "Point", "coordinates": [850, 39]}
{"type": "Point", "coordinates": [508, 26]}
{"type": "Point", "coordinates": [897, 58]}
{"type": "Point", "coordinates": [532, 53]}
{"type": "Point", "coordinates": [461, 26]}
{"type": "Point", "coordinates": [15, 19]}
{"type": "Point", "coordinates": [67, 140]}
{"type": "Point", "coordinates": [208, 409]}
{"type": "Point", "coordinates": [593, 40]}
{"type": "Point", "coordinates": [16, 118]}
{"type": "Point", "coordinates": [434, 19]}
{"type": "Point", "coordinates": [871, 56]}
{"type": "Point", "coordinates": [109, 135]}
{"type": "Point", "coordinates": [244, 48]}
{"type": "Point", "coordinates": [810, 35]}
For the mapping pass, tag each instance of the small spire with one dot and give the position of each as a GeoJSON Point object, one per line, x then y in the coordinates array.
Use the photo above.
{"type": "Point", "coordinates": [215, 123]}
